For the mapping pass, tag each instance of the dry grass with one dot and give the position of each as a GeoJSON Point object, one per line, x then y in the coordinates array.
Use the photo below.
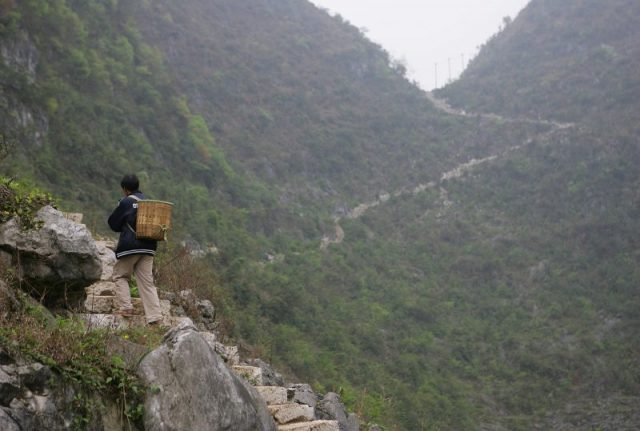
{"type": "Point", "coordinates": [178, 272]}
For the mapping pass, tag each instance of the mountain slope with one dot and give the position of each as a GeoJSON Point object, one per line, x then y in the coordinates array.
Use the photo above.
{"type": "Point", "coordinates": [565, 61]}
{"type": "Point", "coordinates": [302, 101]}
{"type": "Point", "coordinates": [266, 107]}
{"type": "Point", "coordinates": [86, 100]}
{"type": "Point", "coordinates": [499, 295]}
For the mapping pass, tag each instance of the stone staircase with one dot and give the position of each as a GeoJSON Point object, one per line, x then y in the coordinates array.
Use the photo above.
{"type": "Point", "coordinates": [293, 408]}
{"type": "Point", "coordinates": [99, 304]}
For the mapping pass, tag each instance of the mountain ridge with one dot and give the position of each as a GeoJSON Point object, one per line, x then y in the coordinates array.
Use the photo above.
{"type": "Point", "coordinates": [581, 67]}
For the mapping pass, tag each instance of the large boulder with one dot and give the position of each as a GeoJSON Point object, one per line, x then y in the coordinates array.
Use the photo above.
{"type": "Point", "coordinates": [190, 388]}
{"type": "Point", "coordinates": [33, 397]}
{"type": "Point", "coordinates": [302, 393]}
{"type": "Point", "coordinates": [331, 408]}
{"type": "Point", "coordinates": [58, 260]}
{"type": "Point", "coordinates": [9, 387]}
{"type": "Point", "coordinates": [270, 377]}
{"type": "Point", "coordinates": [107, 258]}
{"type": "Point", "coordinates": [6, 422]}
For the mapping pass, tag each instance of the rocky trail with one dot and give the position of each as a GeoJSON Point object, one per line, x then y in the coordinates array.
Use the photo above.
{"type": "Point", "coordinates": [293, 407]}
{"type": "Point", "coordinates": [338, 236]}
{"type": "Point", "coordinates": [196, 381]}
{"type": "Point", "coordinates": [445, 107]}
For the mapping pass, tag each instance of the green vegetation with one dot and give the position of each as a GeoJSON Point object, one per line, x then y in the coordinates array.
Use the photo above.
{"type": "Point", "coordinates": [101, 106]}
{"type": "Point", "coordinates": [512, 301]}
{"type": "Point", "coordinates": [23, 202]}
{"type": "Point", "coordinates": [80, 357]}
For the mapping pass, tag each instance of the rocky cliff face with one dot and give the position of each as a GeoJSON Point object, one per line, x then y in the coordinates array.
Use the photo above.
{"type": "Point", "coordinates": [57, 261]}
{"type": "Point", "coordinates": [33, 397]}
{"type": "Point", "coordinates": [20, 54]}
{"type": "Point", "coordinates": [20, 120]}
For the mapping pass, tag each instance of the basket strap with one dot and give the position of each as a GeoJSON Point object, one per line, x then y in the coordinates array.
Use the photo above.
{"type": "Point", "coordinates": [137, 199]}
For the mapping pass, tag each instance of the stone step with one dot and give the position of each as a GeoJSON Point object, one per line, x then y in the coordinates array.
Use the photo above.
{"type": "Point", "coordinates": [99, 304]}
{"type": "Point", "coordinates": [105, 304]}
{"type": "Point", "coordinates": [253, 375]}
{"type": "Point", "coordinates": [273, 394]}
{"type": "Point", "coordinates": [311, 426]}
{"type": "Point", "coordinates": [111, 321]}
{"type": "Point", "coordinates": [101, 288]}
{"type": "Point", "coordinates": [291, 412]}
{"type": "Point", "coordinates": [228, 353]}
{"type": "Point", "coordinates": [302, 393]}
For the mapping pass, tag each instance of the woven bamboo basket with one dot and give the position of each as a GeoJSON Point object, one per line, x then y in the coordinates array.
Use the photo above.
{"type": "Point", "coordinates": [153, 220]}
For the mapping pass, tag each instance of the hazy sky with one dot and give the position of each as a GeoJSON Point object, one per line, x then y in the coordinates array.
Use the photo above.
{"type": "Point", "coordinates": [425, 32]}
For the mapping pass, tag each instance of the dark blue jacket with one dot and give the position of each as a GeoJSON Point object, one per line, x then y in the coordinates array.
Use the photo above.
{"type": "Point", "coordinates": [123, 220]}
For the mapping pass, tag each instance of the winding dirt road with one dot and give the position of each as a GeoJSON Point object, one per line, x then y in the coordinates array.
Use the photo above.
{"type": "Point", "coordinates": [358, 211]}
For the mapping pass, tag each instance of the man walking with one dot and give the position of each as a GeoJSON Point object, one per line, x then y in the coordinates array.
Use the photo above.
{"type": "Point", "coordinates": [134, 256]}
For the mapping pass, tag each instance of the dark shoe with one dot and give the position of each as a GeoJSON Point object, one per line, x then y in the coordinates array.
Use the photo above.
{"type": "Point", "coordinates": [127, 312]}
{"type": "Point", "coordinates": [157, 324]}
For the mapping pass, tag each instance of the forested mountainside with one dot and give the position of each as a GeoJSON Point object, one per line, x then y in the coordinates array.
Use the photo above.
{"type": "Point", "coordinates": [566, 61]}
{"type": "Point", "coordinates": [259, 106]}
{"type": "Point", "coordinates": [488, 280]}
{"type": "Point", "coordinates": [302, 101]}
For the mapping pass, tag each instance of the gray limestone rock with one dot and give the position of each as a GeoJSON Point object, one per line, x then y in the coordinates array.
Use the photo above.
{"type": "Point", "coordinates": [20, 53]}
{"type": "Point", "coordinates": [35, 398]}
{"type": "Point", "coordinates": [302, 393]}
{"type": "Point", "coordinates": [58, 260]}
{"type": "Point", "coordinates": [291, 412]}
{"type": "Point", "coordinates": [273, 394]}
{"type": "Point", "coordinates": [330, 407]}
{"type": "Point", "coordinates": [52, 412]}
{"type": "Point", "coordinates": [9, 387]}
{"type": "Point", "coordinates": [8, 300]}
{"type": "Point", "coordinates": [101, 288]}
{"type": "Point", "coordinates": [228, 353]}
{"type": "Point", "coordinates": [310, 426]}
{"type": "Point", "coordinates": [107, 258]}
{"type": "Point", "coordinates": [186, 371]}
{"type": "Point", "coordinates": [35, 377]}
{"type": "Point", "coordinates": [6, 421]}
{"type": "Point", "coordinates": [270, 377]}
{"type": "Point", "coordinates": [5, 259]}
{"type": "Point", "coordinates": [207, 314]}
{"type": "Point", "coordinates": [206, 308]}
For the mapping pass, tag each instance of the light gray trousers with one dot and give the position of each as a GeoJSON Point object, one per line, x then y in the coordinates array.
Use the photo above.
{"type": "Point", "coordinates": [142, 266]}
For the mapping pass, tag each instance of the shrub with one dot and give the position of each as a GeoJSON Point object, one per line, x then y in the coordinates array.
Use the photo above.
{"type": "Point", "coordinates": [80, 356]}
{"type": "Point", "coordinates": [189, 279]}
{"type": "Point", "coordinates": [19, 201]}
